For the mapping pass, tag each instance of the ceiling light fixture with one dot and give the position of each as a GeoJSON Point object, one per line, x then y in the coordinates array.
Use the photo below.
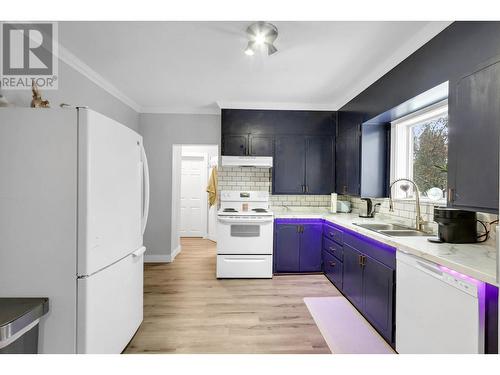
{"type": "Point", "coordinates": [250, 50]}
{"type": "Point", "coordinates": [261, 35]}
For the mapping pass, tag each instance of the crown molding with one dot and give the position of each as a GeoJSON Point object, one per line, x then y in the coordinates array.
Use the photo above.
{"type": "Point", "coordinates": [69, 58]}
{"type": "Point", "coordinates": [276, 106]}
{"type": "Point", "coordinates": [181, 111]}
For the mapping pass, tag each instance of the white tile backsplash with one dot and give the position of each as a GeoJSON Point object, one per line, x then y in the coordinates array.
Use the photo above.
{"type": "Point", "coordinates": [241, 178]}
{"type": "Point", "coordinates": [404, 212]}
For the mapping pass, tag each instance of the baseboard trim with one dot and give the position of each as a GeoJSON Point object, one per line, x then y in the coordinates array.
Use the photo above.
{"type": "Point", "coordinates": [156, 258]}
{"type": "Point", "coordinates": [162, 258]}
{"type": "Point", "coordinates": [176, 252]}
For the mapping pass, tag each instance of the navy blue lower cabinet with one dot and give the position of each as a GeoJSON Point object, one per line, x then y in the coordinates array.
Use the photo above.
{"type": "Point", "coordinates": [332, 267]}
{"type": "Point", "coordinates": [353, 276]}
{"type": "Point", "coordinates": [286, 247]}
{"type": "Point", "coordinates": [310, 247]}
{"type": "Point", "coordinates": [378, 296]}
{"type": "Point", "coordinates": [363, 269]}
{"type": "Point", "coordinates": [297, 245]}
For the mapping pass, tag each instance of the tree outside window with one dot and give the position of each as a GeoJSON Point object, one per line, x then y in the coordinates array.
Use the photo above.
{"type": "Point", "coordinates": [430, 154]}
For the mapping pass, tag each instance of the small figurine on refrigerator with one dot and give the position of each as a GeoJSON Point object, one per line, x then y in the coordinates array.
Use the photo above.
{"type": "Point", "coordinates": [3, 101]}
{"type": "Point", "coordinates": [37, 101]}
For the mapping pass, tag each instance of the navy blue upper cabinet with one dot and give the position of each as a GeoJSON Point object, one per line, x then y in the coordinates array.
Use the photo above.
{"type": "Point", "coordinates": [348, 151]}
{"type": "Point", "coordinates": [289, 165]}
{"type": "Point", "coordinates": [234, 145]}
{"type": "Point", "coordinates": [247, 145]}
{"type": "Point", "coordinates": [474, 115]}
{"type": "Point", "coordinates": [362, 156]}
{"type": "Point", "coordinates": [301, 142]}
{"type": "Point", "coordinates": [320, 165]}
{"type": "Point", "coordinates": [286, 248]}
{"type": "Point", "coordinates": [310, 247]}
{"type": "Point", "coordinates": [303, 165]}
{"type": "Point", "coordinates": [261, 145]}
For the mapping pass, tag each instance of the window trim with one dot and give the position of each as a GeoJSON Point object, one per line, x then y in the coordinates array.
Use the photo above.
{"type": "Point", "coordinates": [400, 131]}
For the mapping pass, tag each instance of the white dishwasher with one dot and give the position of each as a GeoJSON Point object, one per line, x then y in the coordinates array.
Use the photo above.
{"type": "Point", "coordinates": [438, 310]}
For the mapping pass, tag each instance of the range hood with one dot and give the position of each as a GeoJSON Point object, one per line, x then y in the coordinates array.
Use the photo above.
{"type": "Point", "coordinates": [247, 161]}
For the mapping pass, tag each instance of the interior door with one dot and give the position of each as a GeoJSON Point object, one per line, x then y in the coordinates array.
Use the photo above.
{"type": "Point", "coordinates": [193, 222]}
{"type": "Point", "coordinates": [109, 191]}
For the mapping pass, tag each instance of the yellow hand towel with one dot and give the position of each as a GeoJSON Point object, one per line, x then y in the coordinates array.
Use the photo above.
{"type": "Point", "coordinates": [212, 187]}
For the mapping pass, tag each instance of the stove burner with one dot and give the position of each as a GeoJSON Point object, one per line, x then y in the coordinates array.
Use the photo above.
{"type": "Point", "coordinates": [229, 210]}
{"type": "Point", "coordinates": [259, 209]}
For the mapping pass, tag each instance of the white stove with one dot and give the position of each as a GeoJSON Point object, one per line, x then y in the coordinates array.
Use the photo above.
{"type": "Point", "coordinates": [244, 235]}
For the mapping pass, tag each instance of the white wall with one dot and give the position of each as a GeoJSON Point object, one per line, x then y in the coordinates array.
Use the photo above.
{"type": "Point", "coordinates": [176, 197]}
{"type": "Point", "coordinates": [160, 133]}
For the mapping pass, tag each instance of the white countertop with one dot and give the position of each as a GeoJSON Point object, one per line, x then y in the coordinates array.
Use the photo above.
{"type": "Point", "coordinates": [474, 260]}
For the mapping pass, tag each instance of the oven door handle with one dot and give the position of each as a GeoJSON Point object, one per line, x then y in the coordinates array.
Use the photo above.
{"type": "Point", "coordinates": [243, 221]}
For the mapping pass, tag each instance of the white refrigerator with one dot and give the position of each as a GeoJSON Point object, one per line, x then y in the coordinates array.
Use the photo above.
{"type": "Point", "coordinates": [74, 197]}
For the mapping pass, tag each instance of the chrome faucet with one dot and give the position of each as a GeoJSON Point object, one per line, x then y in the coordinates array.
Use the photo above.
{"type": "Point", "coordinates": [419, 222]}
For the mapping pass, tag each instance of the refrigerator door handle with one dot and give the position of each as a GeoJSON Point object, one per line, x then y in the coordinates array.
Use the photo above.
{"type": "Point", "coordinates": [145, 212]}
{"type": "Point", "coordinates": [139, 251]}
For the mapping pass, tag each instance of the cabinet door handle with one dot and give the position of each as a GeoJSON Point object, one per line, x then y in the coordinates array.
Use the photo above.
{"type": "Point", "coordinates": [360, 260]}
{"type": "Point", "coordinates": [332, 249]}
{"type": "Point", "coordinates": [451, 194]}
{"type": "Point", "coordinates": [333, 264]}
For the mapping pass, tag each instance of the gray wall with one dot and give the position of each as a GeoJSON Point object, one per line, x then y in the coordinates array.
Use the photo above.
{"type": "Point", "coordinates": [160, 133]}
{"type": "Point", "coordinates": [75, 88]}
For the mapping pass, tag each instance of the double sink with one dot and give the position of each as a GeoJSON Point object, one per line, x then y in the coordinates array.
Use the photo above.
{"type": "Point", "coordinates": [393, 230]}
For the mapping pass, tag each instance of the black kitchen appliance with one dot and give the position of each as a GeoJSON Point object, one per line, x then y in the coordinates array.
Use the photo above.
{"type": "Point", "coordinates": [456, 226]}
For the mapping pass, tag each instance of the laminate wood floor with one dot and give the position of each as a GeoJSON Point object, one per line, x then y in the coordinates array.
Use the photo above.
{"type": "Point", "coordinates": [187, 310]}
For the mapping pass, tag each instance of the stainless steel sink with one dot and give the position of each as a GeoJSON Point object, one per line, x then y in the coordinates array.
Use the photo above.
{"type": "Point", "coordinates": [393, 230]}
{"type": "Point", "coordinates": [379, 226]}
{"type": "Point", "coordinates": [404, 233]}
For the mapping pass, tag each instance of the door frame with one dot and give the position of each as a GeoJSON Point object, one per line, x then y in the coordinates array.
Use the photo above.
{"type": "Point", "coordinates": [204, 178]}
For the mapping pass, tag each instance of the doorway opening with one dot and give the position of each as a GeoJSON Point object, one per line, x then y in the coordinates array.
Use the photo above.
{"type": "Point", "coordinates": [192, 216]}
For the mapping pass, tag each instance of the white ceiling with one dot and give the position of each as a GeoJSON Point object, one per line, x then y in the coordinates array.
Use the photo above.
{"type": "Point", "coordinates": [197, 67]}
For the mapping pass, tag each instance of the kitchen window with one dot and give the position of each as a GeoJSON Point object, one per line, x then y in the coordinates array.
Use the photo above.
{"type": "Point", "coordinates": [419, 151]}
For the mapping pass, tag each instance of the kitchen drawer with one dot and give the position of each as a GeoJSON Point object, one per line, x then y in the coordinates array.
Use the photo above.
{"type": "Point", "coordinates": [333, 269]}
{"type": "Point", "coordinates": [244, 266]}
{"type": "Point", "coordinates": [333, 233]}
{"type": "Point", "coordinates": [333, 248]}
{"type": "Point", "coordinates": [379, 251]}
